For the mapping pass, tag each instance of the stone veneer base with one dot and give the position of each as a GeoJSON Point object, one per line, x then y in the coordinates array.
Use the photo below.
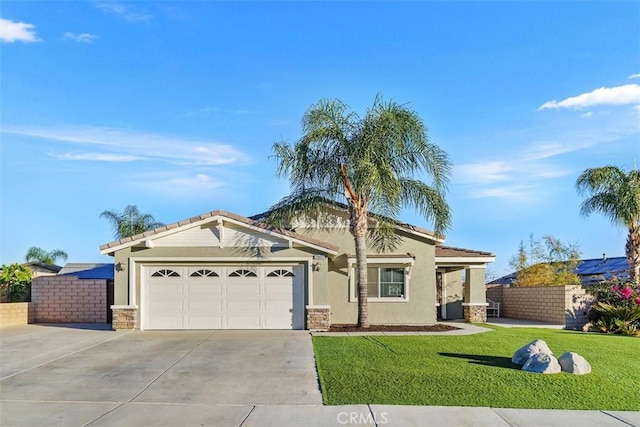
{"type": "Point", "coordinates": [124, 317]}
{"type": "Point", "coordinates": [475, 313]}
{"type": "Point", "coordinates": [318, 317]}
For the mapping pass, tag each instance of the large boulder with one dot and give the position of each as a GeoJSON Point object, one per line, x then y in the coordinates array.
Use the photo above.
{"type": "Point", "coordinates": [542, 363]}
{"type": "Point", "coordinates": [573, 363]}
{"type": "Point", "coordinates": [521, 356]}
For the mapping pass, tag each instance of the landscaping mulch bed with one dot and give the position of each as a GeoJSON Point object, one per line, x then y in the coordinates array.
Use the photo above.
{"type": "Point", "coordinates": [392, 328]}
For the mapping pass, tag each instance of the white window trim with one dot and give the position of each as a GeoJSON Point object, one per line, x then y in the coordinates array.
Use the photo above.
{"type": "Point", "coordinates": [404, 263]}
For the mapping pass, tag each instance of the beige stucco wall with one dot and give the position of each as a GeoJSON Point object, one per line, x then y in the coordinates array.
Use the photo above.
{"type": "Point", "coordinates": [475, 294]}
{"type": "Point", "coordinates": [420, 308]}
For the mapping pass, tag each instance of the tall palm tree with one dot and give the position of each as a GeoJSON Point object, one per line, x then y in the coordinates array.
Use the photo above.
{"type": "Point", "coordinates": [370, 162]}
{"type": "Point", "coordinates": [46, 257]}
{"type": "Point", "coordinates": [615, 194]}
{"type": "Point", "coordinates": [130, 222]}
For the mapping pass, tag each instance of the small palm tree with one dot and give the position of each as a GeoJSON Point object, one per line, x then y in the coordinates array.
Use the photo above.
{"type": "Point", "coordinates": [372, 162]}
{"type": "Point", "coordinates": [616, 194]}
{"type": "Point", "coordinates": [46, 257]}
{"type": "Point", "coordinates": [130, 222]}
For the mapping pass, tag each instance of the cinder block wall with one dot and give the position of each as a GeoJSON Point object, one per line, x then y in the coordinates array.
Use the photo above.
{"type": "Point", "coordinates": [67, 299]}
{"type": "Point", "coordinates": [494, 293]}
{"type": "Point", "coordinates": [16, 314]}
{"type": "Point", "coordinates": [562, 305]}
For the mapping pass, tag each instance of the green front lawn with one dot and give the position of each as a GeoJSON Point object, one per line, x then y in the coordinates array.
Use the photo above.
{"type": "Point", "coordinates": [476, 370]}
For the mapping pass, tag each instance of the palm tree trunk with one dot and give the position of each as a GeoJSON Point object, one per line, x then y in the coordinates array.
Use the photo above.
{"type": "Point", "coordinates": [358, 228]}
{"type": "Point", "coordinates": [632, 250]}
{"type": "Point", "coordinates": [361, 262]}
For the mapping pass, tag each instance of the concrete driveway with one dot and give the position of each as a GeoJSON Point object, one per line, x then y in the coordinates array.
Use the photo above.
{"type": "Point", "coordinates": [57, 375]}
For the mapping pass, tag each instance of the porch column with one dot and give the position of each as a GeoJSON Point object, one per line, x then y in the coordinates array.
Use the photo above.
{"type": "Point", "coordinates": [475, 296]}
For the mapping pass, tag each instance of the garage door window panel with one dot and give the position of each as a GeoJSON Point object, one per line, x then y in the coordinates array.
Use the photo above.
{"type": "Point", "coordinates": [165, 273]}
{"type": "Point", "coordinates": [280, 273]}
{"type": "Point", "coordinates": [243, 273]}
{"type": "Point", "coordinates": [204, 273]}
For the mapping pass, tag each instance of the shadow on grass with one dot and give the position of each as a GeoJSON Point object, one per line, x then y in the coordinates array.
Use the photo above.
{"type": "Point", "coordinates": [478, 359]}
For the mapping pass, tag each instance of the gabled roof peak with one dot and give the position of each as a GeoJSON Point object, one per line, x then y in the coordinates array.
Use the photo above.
{"type": "Point", "coordinates": [111, 247]}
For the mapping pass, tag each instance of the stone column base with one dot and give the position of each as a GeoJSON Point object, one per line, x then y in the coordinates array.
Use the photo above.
{"type": "Point", "coordinates": [124, 316]}
{"type": "Point", "coordinates": [475, 313]}
{"type": "Point", "coordinates": [318, 316]}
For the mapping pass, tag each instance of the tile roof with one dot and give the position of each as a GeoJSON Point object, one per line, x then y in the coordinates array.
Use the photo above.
{"type": "Point", "coordinates": [342, 206]}
{"type": "Point", "coordinates": [450, 251]}
{"type": "Point", "coordinates": [222, 213]}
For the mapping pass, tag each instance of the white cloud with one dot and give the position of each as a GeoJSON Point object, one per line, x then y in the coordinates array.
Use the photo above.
{"type": "Point", "coordinates": [80, 38]}
{"type": "Point", "coordinates": [125, 12]}
{"type": "Point", "coordinates": [514, 192]}
{"type": "Point", "coordinates": [635, 76]}
{"type": "Point", "coordinates": [619, 95]}
{"type": "Point", "coordinates": [483, 172]}
{"type": "Point", "coordinates": [97, 157]}
{"type": "Point", "coordinates": [177, 185]}
{"type": "Point", "coordinates": [587, 115]}
{"type": "Point", "coordinates": [543, 149]}
{"type": "Point", "coordinates": [11, 31]}
{"type": "Point", "coordinates": [172, 149]}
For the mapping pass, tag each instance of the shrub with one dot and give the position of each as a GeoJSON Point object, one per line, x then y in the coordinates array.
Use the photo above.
{"type": "Point", "coordinates": [616, 309]}
{"type": "Point", "coordinates": [611, 319]}
{"type": "Point", "coordinates": [15, 283]}
{"type": "Point", "coordinates": [546, 263]}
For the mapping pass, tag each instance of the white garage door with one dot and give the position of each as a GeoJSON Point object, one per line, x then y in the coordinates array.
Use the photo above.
{"type": "Point", "coordinates": [229, 297]}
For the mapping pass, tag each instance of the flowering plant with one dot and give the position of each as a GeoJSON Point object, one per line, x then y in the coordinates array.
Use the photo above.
{"type": "Point", "coordinates": [616, 292]}
{"type": "Point", "coordinates": [616, 308]}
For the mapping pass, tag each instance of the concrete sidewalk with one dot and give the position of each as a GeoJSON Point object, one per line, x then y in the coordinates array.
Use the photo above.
{"type": "Point", "coordinates": [25, 413]}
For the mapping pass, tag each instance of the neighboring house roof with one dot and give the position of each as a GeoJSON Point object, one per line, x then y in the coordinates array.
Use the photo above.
{"type": "Point", "coordinates": [219, 215]}
{"type": "Point", "coordinates": [84, 270]}
{"type": "Point", "coordinates": [401, 225]}
{"type": "Point", "coordinates": [41, 266]}
{"type": "Point", "coordinates": [589, 271]}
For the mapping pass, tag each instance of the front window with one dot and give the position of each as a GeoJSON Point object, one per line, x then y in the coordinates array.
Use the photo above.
{"type": "Point", "coordinates": [384, 283]}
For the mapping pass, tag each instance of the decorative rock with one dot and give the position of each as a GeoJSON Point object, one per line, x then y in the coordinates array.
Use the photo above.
{"type": "Point", "coordinates": [521, 356]}
{"type": "Point", "coordinates": [542, 363]}
{"type": "Point", "coordinates": [575, 364]}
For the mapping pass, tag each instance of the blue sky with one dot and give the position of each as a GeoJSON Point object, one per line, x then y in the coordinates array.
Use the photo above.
{"type": "Point", "coordinates": [174, 107]}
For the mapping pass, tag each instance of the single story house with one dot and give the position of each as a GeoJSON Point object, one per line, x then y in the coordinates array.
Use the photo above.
{"type": "Point", "coordinates": [220, 270]}
{"type": "Point", "coordinates": [590, 271]}
{"type": "Point", "coordinates": [42, 269]}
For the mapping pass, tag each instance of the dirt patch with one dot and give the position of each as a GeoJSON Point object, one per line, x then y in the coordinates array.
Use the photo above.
{"type": "Point", "coordinates": [393, 328]}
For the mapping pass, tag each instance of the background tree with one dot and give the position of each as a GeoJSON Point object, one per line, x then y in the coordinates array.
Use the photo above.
{"type": "Point", "coordinates": [46, 257]}
{"type": "Point", "coordinates": [130, 222]}
{"type": "Point", "coordinates": [546, 263]}
{"type": "Point", "coordinates": [615, 194]}
{"type": "Point", "coordinates": [15, 283]}
{"type": "Point", "coordinates": [372, 162]}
